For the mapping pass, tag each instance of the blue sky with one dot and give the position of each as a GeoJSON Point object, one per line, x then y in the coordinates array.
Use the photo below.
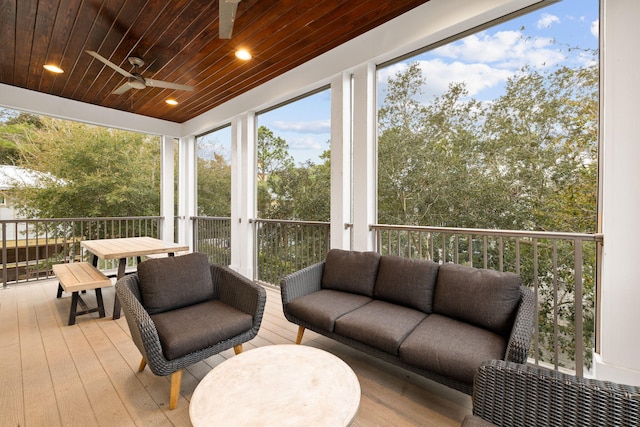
{"type": "Point", "coordinates": [484, 60]}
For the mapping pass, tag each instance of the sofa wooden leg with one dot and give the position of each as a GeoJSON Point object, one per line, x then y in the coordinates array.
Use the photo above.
{"type": "Point", "coordinates": [300, 333]}
{"type": "Point", "coordinates": [237, 348]}
{"type": "Point", "coordinates": [143, 364]}
{"type": "Point", "coordinates": [176, 379]}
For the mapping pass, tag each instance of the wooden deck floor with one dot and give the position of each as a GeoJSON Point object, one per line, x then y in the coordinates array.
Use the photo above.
{"type": "Point", "coordinates": [86, 375]}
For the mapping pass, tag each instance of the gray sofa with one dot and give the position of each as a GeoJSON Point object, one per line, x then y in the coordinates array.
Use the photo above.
{"type": "Point", "coordinates": [440, 321]}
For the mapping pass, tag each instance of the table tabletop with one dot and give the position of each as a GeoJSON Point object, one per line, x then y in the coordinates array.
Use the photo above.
{"type": "Point", "coordinates": [130, 247]}
{"type": "Point", "coordinates": [277, 385]}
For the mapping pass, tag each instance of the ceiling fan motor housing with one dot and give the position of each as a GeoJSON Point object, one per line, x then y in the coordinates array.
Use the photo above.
{"type": "Point", "coordinates": [137, 82]}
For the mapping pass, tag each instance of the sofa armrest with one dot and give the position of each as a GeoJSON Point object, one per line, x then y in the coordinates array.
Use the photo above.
{"type": "Point", "coordinates": [520, 338]}
{"type": "Point", "coordinates": [143, 330]}
{"type": "Point", "coordinates": [302, 282]}
{"type": "Point", "coordinates": [510, 394]}
{"type": "Point", "coordinates": [239, 292]}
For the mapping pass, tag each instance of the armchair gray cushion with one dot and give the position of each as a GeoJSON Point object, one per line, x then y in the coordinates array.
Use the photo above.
{"type": "Point", "coordinates": [350, 271]}
{"type": "Point", "coordinates": [406, 281]}
{"type": "Point", "coordinates": [174, 282]}
{"type": "Point", "coordinates": [496, 296]}
{"type": "Point", "coordinates": [188, 329]}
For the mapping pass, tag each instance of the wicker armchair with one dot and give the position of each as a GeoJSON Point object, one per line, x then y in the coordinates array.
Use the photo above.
{"type": "Point", "coordinates": [510, 394]}
{"type": "Point", "coordinates": [225, 312]}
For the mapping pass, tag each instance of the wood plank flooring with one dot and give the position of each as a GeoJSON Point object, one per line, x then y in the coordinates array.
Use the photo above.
{"type": "Point", "coordinates": [86, 374]}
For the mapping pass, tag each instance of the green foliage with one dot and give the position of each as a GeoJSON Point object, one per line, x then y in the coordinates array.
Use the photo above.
{"type": "Point", "coordinates": [214, 187]}
{"type": "Point", "coordinates": [525, 161]}
{"type": "Point", "coordinates": [90, 171]}
{"type": "Point", "coordinates": [286, 191]}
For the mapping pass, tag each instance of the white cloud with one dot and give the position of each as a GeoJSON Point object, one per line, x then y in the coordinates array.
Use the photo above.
{"type": "Point", "coordinates": [546, 20]}
{"type": "Point", "coordinates": [477, 76]}
{"type": "Point", "coordinates": [595, 28]}
{"type": "Point", "coordinates": [304, 144]}
{"type": "Point", "coordinates": [319, 126]}
{"type": "Point", "coordinates": [504, 50]}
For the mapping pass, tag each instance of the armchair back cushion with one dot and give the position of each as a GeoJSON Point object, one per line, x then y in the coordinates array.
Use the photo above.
{"type": "Point", "coordinates": [350, 271]}
{"type": "Point", "coordinates": [496, 296]}
{"type": "Point", "coordinates": [405, 281]}
{"type": "Point", "coordinates": [174, 282]}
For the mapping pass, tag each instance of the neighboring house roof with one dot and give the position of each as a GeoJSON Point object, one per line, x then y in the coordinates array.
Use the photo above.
{"type": "Point", "coordinates": [10, 176]}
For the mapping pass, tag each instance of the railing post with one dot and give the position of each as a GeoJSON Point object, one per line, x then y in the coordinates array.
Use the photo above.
{"type": "Point", "coordinates": [4, 255]}
{"type": "Point", "coordinates": [578, 307]}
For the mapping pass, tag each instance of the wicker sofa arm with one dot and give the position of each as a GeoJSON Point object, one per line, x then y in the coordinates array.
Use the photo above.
{"type": "Point", "coordinates": [510, 394]}
{"type": "Point", "coordinates": [301, 282]}
{"type": "Point", "coordinates": [520, 338]}
{"type": "Point", "coordinates": [239, 292]}
{"type": "Point", "coordinates": [143, 330]}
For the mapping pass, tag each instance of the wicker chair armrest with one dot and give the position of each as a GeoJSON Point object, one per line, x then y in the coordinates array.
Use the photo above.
{"type": "Point", "coordinates": [510, 394]}
{"type": "Point", "coordinates": [143, 330]}
{"type": "Point", "coordinates": [239, 292]}
{"type": "Point", "coordinates": [302, 282]}
{"type": "Point", "coordinates": [520, 338]}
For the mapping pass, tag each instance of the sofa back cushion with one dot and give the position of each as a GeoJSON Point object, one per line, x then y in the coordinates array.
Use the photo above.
{"type": "Point", "coordinates": [405, 281]}
{"type": "Point", "coordinates": [484, 298]}
{"type": "Point", "coordinates": [350, 271]}
{"type": "Point", "coordinates": [173, 282]}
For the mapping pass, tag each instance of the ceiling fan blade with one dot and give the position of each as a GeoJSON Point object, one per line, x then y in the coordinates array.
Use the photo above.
{"type": "Point", "coordinates": [227, 17]}
{"type": "Point", "coordinates": [167, 85]}
{"type": "Point", "coordinates": [108, 63]}
{"type": "Point", "coordinates": [122, 89]}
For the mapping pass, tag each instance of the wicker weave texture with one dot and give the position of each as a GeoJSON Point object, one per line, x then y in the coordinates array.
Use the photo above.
{"type": "Point", "coordinates": [231, 288]}
{"type": "Point", "coordinates": [511, 394]}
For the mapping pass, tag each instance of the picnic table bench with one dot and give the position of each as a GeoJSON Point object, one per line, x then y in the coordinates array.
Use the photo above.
{"type": "Point", "coordinates": [81, 276]}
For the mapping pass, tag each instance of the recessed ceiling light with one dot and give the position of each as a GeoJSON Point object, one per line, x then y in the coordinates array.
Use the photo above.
{"type": "Point", "coordinates": [243, 54]}
{"type": "Point", "coordinates": [54, 68]}
{"type": "Point", "coordinates": [171, 102]}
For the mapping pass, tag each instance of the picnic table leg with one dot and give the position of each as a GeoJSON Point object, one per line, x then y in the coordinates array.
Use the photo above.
{"type": "Point", "coordinates": [116, 302]}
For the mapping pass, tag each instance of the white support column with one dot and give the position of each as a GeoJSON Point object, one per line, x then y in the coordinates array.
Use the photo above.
{"type": "Point", "coordinates": [167, 183]}
{"type": "Point", "coordinates": [243, 193]}
{"type": "Point", "coordinates": [364, 157]}
{"type": "Point", "coordinates": [341, 161]}
{"type": "Point", "coordinates": [619, 359]}
{"type": "Point", "coordinates": [187, 189]}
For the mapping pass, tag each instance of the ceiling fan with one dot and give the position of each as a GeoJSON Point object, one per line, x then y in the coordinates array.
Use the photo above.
{"type": "Point", "coordinates": [135, 79]}
{"type": "Point", "coordinates": [227, 17]}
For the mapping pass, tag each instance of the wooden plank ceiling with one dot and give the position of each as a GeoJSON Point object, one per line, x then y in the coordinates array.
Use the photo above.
{"type": "Point", "coordinates": [178, 40]}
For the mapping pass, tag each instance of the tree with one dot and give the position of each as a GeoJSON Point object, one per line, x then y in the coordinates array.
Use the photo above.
{"type": "Point", "coordinates": [90, 171]}
{"type": "Point", "coordinates": [273, 159]}
{"type": "Point", "coordinates": [214, 185]}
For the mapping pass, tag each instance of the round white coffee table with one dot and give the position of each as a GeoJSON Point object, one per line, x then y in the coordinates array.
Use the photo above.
{"type": "Point", "coordinates": [277, 385]}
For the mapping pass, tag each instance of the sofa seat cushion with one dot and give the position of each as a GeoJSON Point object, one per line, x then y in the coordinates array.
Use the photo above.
{"type": "Point", "coordinates": [323, 307]}
{"type": "Point", "coordinates": [485, 298]}
{"type": "Point", "coordinates": [188, 329]}
{"type": "Point", "coordinates": [379, 324]}
{"type": "Point", "coordinates": [451, 348]}
{"type": "Point", "coordinates": [173, 282]}
{"type": "Point", "coordinates": [350, 271]}
{"type": "Point", "coordinates": [406, 281]}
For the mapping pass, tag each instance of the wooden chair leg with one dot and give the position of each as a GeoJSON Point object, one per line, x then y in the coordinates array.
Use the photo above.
{"type": "Point", "coordinates": [300, 333]}
{"type": "Point", "coordinates": [143, 364]}
{"type": "Point", "coordinates": [237, 348]}
{"type": "Point", "coordinates": [176, 379]}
